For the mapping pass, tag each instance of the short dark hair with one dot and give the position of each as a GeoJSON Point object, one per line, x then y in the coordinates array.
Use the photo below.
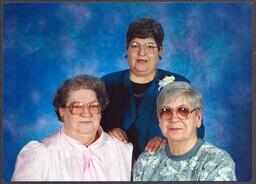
{"type": "Point", "coordinates": [145, 28]}
{"type": "Point", "coordinates": [80, 82]}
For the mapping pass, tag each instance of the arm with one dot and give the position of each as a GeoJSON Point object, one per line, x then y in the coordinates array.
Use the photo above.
{"type": "Point", "coordinates": [119, 134]}
{"type": "Point", "coordinates": [138, 169]}
{"type": "Point", "coordinates": [222, 168]}
{"type": "Point", "coordinates": [31, 163]}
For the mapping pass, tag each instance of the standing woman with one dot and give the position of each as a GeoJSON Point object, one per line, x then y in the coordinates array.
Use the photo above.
{"type": "Point", "coordinates": [131, 114]}
{"type": "Point", "coordinates": [185, 157]}
{"type": "Point", "coordinates": [80, 150]}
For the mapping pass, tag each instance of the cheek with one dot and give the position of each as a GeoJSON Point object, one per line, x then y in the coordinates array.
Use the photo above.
{"type": "Point", "coordinates": [162, 125]}
{"type": "Point", "coordinates": [68, 119]}
{"type": "Point", "coordinates": [154, 62]}
{"type": "Point", "coordinates": [131, 58]}
{"type": "Point", "coordinates": [192, 125]}
{"type": "Point", "coordinates": [99, 117]}
{"type": "Point", "coordinates": [129, 54]}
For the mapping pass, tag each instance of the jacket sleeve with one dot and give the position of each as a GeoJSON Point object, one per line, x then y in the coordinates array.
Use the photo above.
{"type": "Point", "coordinates": [31, 163]}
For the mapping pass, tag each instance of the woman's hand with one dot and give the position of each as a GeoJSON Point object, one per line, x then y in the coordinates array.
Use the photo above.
{"type": "Point", "coordinates": [155, 144]}
{"type": "Point", "coordinates": [119, 134]}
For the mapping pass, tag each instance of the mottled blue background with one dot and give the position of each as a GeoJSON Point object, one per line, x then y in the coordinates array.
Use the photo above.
{"type": "Point", "coordinates": [209, 43]}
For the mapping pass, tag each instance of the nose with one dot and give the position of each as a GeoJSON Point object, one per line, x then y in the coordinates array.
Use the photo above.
{"type": "Point", "coordinates": [86, 112]}
{"type": "Point", "coordinates": [142, 51]}
{"type": "Point", "coordinates": [174, 117]}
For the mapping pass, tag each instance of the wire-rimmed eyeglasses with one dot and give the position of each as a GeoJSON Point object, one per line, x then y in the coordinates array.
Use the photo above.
{"type": "Point", "coordinates": [149, 47]}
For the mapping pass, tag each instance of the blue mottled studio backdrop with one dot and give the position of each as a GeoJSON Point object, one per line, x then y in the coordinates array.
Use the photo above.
{"type": "Point", "coordinates": [45, 43]}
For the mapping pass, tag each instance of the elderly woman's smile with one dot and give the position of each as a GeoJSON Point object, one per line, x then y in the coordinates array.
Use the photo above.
{"type": "Point", "coordinates": [81, 116]}
{"type": "Point", "coordinates": [80, 150]}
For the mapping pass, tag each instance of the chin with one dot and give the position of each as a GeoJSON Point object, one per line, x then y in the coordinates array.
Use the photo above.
{"type": "Point", "coordinates": [88, 131]}
{"type": "Point", "coordinates": [174, 137]}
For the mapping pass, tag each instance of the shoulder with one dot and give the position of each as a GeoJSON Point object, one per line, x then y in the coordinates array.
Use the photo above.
{"type": "Point", "coordinates": [148, 163]}
{"type": "Point", "coordinates": [41, 146]}
{"type": "Point", "coordinates": [52, 140]}
{"type": "Point", "coordinates": [31, 163]}
{"type": "Point", "coordinates": [32, 148]}
{"type": "Point", "coordinates": [113, 81]}
{"type": "Point", "coordinates": [115, 76]}
{"type": "Point", "coordinates": [152, 159]}
{"type": "Point", "coordinates": [162, 73]}
{"type": "Point", "coordinates": [118, 144]}
{"type": "Point", "coordinates": [218, 164]}
{"type": "Point", "coordinates": [214, 150]}
{"type": "Point", "coordinates": [213, 154]}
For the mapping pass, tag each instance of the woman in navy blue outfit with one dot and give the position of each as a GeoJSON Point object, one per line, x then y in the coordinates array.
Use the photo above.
{"type": "Point", "coordinates": [131, 114]}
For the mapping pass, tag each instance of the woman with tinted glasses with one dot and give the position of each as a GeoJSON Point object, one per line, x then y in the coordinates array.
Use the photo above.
{"type": "Point", "coordinates": [184, 157]}
{"type": "Point", "coordinates": [80, 150]}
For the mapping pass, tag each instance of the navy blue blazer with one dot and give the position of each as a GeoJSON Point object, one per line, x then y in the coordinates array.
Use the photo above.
{"type": "Point", "coordinates": [121, 111]}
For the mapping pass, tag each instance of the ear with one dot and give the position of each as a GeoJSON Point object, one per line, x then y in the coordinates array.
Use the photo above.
{"type": "Point", "coordinates": [61, 111]}
{"type": "Point", "coordinates": [160, 52]}
{"type": "Point", "coordinates": [199, 117]}
{"type": "Point", "coordinates": [160, 124]}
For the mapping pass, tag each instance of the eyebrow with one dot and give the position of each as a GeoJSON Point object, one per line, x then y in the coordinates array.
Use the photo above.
{"type": "Point", "coordinates": [94, 101]}
{"type": "Point", "coordinates": [144, 43]}
{"type": "Point", "coordinates": [182, 105]}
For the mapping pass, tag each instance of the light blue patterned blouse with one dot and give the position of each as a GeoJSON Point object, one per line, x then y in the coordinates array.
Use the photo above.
{"type": "Point", "coordinates": [205, 162]}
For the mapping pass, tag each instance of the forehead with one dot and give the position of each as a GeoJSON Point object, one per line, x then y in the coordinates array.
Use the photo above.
{"type": "Point", "coordinates": [84, 95]}
{"type": "Point", "coordinates": [143, 40]}
{"type": "Point", "coordinates": [177, 101]}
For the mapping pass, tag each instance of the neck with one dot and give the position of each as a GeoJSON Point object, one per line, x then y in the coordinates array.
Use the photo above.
{"type": "Point", "coordinates": [142, 79]}
{"type": "Point", "coordinates": [86, 140]}
{"type": "Point", "coordinates": [182, 147]}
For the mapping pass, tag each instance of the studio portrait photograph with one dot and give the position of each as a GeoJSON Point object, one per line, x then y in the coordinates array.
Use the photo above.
{"type": "Point", "coordinates": [127, 91]}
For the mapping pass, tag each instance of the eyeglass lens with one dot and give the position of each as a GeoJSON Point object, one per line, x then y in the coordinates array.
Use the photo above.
{"type": "Point", "coordinates": [182, 113]}
{"type": "Point", "coordinates": [148, 47]}
{"type": "Point", "coordinates": [78, 108]}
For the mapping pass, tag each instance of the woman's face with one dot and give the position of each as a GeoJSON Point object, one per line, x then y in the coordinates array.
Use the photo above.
{"type": "Point", "coordinates": [176, 129]}
{"type": "Point", "coordinates": [86, 123]}
{"type": "Point", "coordinates": [143, 56]}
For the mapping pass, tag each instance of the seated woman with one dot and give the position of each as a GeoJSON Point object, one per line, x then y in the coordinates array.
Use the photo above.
{"type": "Point", "coordinates": [80, 150]}
{"type": "Point", "coordinates": [184, 157]}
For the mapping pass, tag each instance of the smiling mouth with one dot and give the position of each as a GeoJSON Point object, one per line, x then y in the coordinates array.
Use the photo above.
{"type": "Point", "coordinates": [85, 122]}
{"type": "Point", "coordinates": [141, 61]}
{"type": "Point", "coordinates": [175, 129]}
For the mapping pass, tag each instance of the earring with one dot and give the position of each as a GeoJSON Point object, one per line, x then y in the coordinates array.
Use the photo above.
{"type": "Point", "coordinates": [160, 57]}
{"type": "Point", "coordinates": [125, 56]}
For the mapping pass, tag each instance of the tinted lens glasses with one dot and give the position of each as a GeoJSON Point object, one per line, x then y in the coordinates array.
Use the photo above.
{"type": "Point", "coordinates": [182, 113]}
{"type": "Point", "coordinates": [77, 108]}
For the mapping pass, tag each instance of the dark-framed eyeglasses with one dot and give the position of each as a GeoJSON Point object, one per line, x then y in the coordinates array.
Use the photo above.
{"type": "Point", "coordinates": [182, 112]}
{"type": "Point", "coordinates": [149, 47]}
{"type": "Point", "coordinates": [77, 108]}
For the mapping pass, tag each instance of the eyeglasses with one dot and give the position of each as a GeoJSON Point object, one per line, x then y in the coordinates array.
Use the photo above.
{"type": "Point", "coordinates": [149, 48]}
{"type": "Point", "coordinates": [77, 108]}
{"type": "Point", "coordinates": [182, 112]}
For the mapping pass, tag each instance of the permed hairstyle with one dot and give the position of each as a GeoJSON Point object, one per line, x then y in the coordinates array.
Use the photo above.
{"type": "Point", "coordinates": [145, 28]}
{"type": "Point", "coordinates": [80, 82]}
{"type": "Point", "coordinates": [178, 88]}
